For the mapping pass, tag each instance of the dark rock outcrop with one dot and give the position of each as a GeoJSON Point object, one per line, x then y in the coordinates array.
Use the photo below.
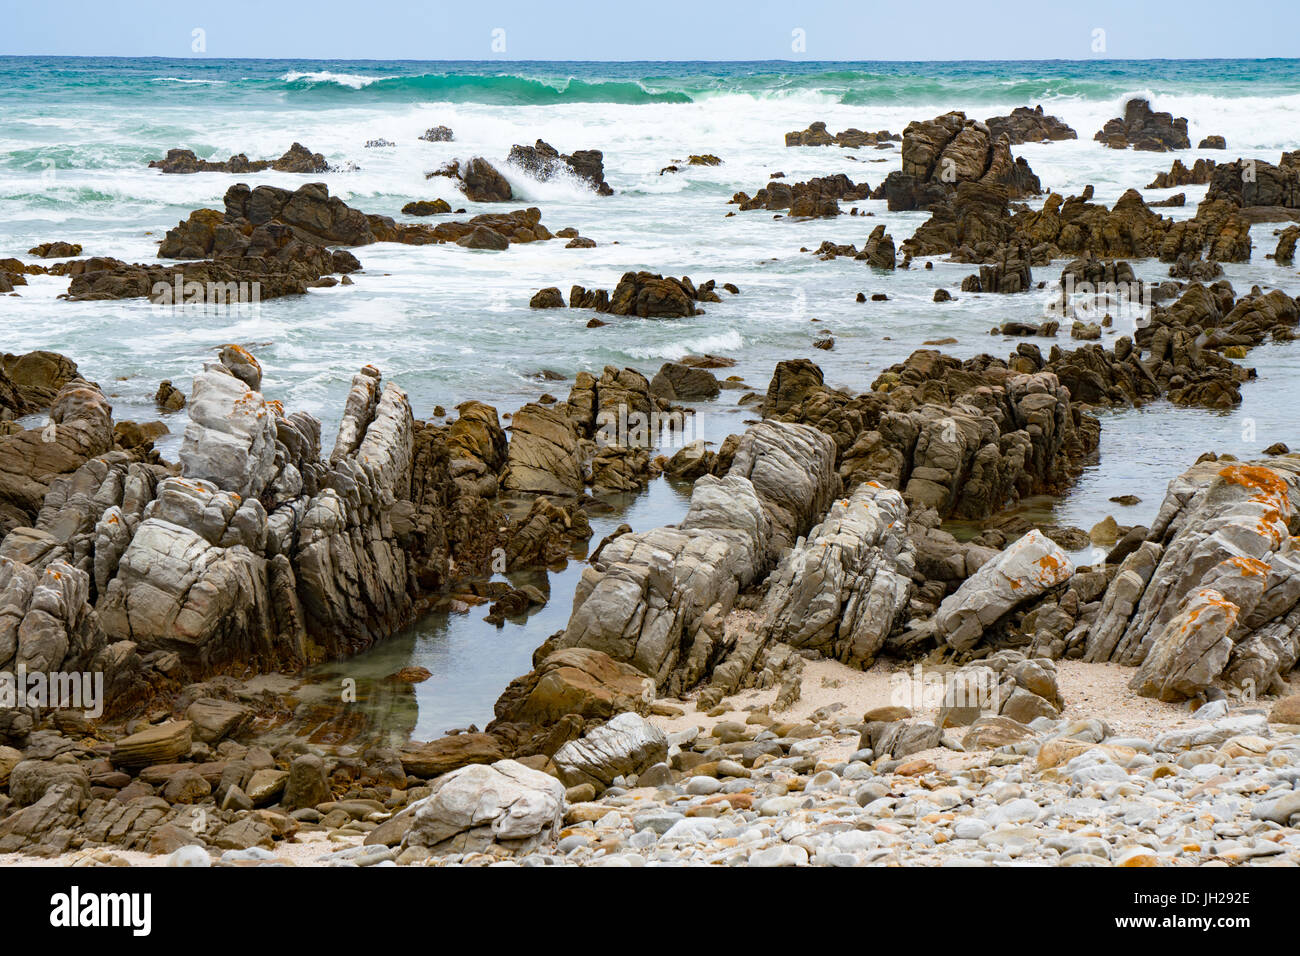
{"type": "Point", "coordinates": [1025, 125]}
{"type": "Point", "coordinates": [296, 159]}
{"type": "Point", "coordinates": [1143, 129]}
{"type": "Point", "coordinates": [542, 161]}
{"type": "Point", "coordinates": [941, 153]}
{"type": "Point", "coordinates": [816, 135]}
{"type": "Point", "coordinates": [812, 199]}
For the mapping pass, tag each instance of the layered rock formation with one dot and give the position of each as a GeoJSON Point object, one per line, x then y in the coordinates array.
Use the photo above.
{"type": "Point", "coordinates": [1026, 569]}
{"type": "Point", "coordinates": [1180, 350]}
{"type": "Point", "coordinates": [1261, 191]}
{"type": "Point", "coordinates": [842, 589]}
{"type": "Point", "coordinates": [962, 438]}
{"type": "Point", "coordinates": [657, 599]}
{"type": "Point", "coordinates": [260, 551]}
{"type": "Point", "coordinates": [941, 153]}
{"type": "Point", "coordinates": [976, 221]}
{"type": "Point", "coordinates": [1180, 175]}
{"type": "Point", "coordinates": [1213, 594]}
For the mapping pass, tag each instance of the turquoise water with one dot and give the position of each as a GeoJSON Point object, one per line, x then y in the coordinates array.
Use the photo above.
{"type": "Point", "coordinates": [255, 83]}
{"type": "Point", "coordinates": [449, 324]}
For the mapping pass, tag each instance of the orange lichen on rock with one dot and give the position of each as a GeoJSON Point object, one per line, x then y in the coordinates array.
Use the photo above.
{"type": "Point", "coordinates": [1209, 598]}
{"type": "Point", "coordinates": [1250, 566]}
{"type": "Point", "coordinates": [1270, 486]}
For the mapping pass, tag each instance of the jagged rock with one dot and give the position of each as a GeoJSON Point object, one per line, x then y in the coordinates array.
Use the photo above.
{"type": "Point", "coordinates": [973, 222]}
{"type": "Point", "coordinates": [477, 446]}
{"type": "Point", "coordinates": [646, 295]}
{"type": "Point", "coordinates": [55, 250]}
{"type": "Point", "coordinates": [542, 161]}
{"type": "Point", "coordinates": [879, 249]}
{"type": "Point", "coordinates": [842, 590]}
{"type": "Point", "coordinates": [169, 397]}
{"type": "Point", "coordinates": [482, 182]}
{"type": "Point", "coordinates": [1025, 125]}
{"type": "Point", "coordinates": [816, 135]}
{"type": "Point", "coordinates": [961, 438]}
{"type": "Point", "coordinates": [676, 382]}
{"type": "Point", "coordinates": [1180, 175]}
{"type": "Point", "coordinates": [1008, 273]}
{"type": "Point", "coordinates": [1285, 252]}
{"type": "Point", "coordinates": [1261, 190]}
{"type": "Point", "coordinates": [1024, 570]}
{"type": "Point", "coordinates": [437, 134]}
{"type": "Point", "coordinates": [543, 454]}
{"type": "Point", "coordinates": [1213, 593]}
{"type": "Point", "coordinates": [230, 440]}
{"type": "Point", "coordinates": [657, 599]}
{"type": "Point", "coordinates": [939, 154]}
{"type": "Point", "coordinates": [1144, 129]}
{"type": "Point", "coordinates": [80, 427]}
{"type": "Point", "coordinates": [650, 296]}
{"type": "Point", "coordinates": [815, 198]}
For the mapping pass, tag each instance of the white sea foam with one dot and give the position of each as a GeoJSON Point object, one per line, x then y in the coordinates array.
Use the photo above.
{"type": "Point", "coordinates": [187, 81]}
{"type": "Point", "coordinates": [351, 80]}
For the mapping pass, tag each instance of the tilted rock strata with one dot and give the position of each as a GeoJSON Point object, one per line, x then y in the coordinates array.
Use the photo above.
{"type": "Point", "coordinates": [1212, 595]}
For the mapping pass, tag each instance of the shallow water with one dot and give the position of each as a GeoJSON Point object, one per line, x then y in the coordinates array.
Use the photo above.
{"type": "Point", "coordinates": [449, 324]}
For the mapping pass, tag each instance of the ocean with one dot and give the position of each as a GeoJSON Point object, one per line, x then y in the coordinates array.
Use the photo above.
{"type": "Point", "coordinates": [450, 324]}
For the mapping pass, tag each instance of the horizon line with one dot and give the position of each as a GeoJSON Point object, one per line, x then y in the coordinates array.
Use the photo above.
{"type": "Point", "coordinates": [285, 59]}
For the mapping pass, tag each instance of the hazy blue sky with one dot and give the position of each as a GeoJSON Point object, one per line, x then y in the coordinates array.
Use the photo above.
{"type": "Point", "coordinates": [656, 29]}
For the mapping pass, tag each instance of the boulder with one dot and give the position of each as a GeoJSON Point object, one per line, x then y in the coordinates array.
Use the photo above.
{"type": "Point", "coordinates": [1026, 569]}
{"type": "Point", "coordinates": [625, 745]}
{"type": "Point", "coordinates": [503, 805]}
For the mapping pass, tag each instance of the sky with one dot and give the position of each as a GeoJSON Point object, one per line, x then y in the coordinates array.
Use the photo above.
{"type": "Point", "coordinates": [656, 29]}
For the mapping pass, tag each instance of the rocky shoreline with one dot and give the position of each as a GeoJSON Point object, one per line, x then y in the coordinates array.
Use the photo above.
{"type": "Point", "coordinates": [672, 719]}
